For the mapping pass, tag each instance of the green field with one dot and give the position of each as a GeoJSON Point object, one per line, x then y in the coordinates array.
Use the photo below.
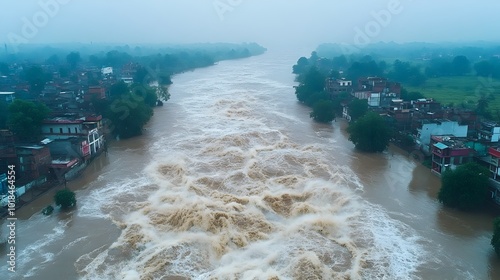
{"type": "Point", "coordinates": [461, 91]}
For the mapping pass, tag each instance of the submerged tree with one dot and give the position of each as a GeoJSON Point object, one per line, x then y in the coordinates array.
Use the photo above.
{"type": "Point", "coordinates": [465, 188]}
{"type": "Point", "coordinates": [65, 198]}
{"type": "Point", "coordinates": [358, 108]}
{"type": "Point", "coordinates": [323, 111]}
{"type": "Point", "coordinates": [370, 133]}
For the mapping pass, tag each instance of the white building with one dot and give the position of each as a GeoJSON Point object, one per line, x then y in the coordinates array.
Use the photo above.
{"type": "Point", "coordinates": [107, 71]}
{"type": "Point", "coordinates": [64, 129]}
{"type": "Point", "coordinates": [439, 127]}
{"type": "Point", "coordinates": [7, 96]}
{"type": "Point", "coordinates": [490, 131]}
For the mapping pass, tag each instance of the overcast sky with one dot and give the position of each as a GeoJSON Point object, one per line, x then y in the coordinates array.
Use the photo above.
{"type": "Point", "coordinates": [268, 22]}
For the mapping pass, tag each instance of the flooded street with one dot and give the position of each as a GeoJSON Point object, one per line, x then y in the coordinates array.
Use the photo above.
{"type": "Point", "coordinates": [233, 180]}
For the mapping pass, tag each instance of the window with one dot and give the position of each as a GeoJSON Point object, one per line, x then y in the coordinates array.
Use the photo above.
{"type": "Point", "coordinates": [51, 130]}
{"type": "Point", "coordinates": [69, 130]}
{"type": "Point", "coordinates": [76, 130]}
{"type": "Point", "coordinates": [60, 130]}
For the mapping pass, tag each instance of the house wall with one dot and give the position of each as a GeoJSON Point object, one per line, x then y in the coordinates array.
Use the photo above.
{"type": "Point", "coordinates": [67, 148]}
{"type": "Point", "coordinates": [61, 131]}
{"type": "Point", "coordinates": [33, 163]}
{"type": "Point", "coordinates": [496, 134]}
{"type": "Point", "coordinates": [374, 100]}
{"type": "Point", "coordinates": [444, 128]}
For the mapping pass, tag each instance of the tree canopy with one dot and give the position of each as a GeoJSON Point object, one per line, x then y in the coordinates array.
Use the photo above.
{"type": "Point", "coordinates": [128, 115]}
{"type": "Point", "coordinates": [460, 65]}
{"type": "Point", "coordinates": [36, 77]}
{"type": "Point", "coordinates": [465, 188]}
{"type": "Point", "coordinates": [370, 133]}
{"type": "Point", "coordinates": [406, 73]}
{"type": "Point", "coordinates": [412, 95]}
{"type": "Point", "coordinates": [323, 111]}
{"type": "Point", "coordinates": [73, 59]}
{"type": "Point", "coordinates": [312, 82]}
{"type": "Point", "coordinates": [301, 66]}
{"type": "Point", "coordinates": [358, 108]}
{"type": "Point", "coordinates": [65, 198]}
{"type": "Point", "coordinates": [26, 118]}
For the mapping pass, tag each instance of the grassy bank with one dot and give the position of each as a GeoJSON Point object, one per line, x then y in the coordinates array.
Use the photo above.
{"type": "Point", "coordinates": [461, 91]}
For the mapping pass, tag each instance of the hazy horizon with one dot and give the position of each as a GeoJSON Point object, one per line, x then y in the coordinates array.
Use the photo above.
{"type": "Point", "coordinates": [293, 23]}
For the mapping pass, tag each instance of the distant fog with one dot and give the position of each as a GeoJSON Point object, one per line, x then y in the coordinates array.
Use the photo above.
{"type": "Point", "coordinates": [284, 23]}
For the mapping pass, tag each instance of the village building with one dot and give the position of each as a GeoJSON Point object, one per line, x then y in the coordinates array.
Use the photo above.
{"type": "Point", "coordinates": [448, 153]}
{"type": "Point", "coordinates": [438, 127]}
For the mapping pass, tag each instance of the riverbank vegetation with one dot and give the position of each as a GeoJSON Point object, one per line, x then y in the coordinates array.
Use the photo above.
{"type": "Point", "coordinates": [465, 188]}
{"type": "Point", "coordinates": [65, 199]}
{"type": "Point", "coordinates": [370, 133]}
{"type": "Point", "coordinates": [311, 90]}
{"type": "Point", "coordinates": [25, 119]}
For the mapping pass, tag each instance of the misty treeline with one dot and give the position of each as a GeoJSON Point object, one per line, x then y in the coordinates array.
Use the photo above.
{"type": "Point", "coordinates": [157, 62]}
{"type": "Point", "coordinates": [410, 64]}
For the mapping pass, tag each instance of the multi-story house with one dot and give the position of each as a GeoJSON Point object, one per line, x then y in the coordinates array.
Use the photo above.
{"type": "Point", "coordinates": [448, 153]}
{"type": "Point", "coordinates": [438, 127]}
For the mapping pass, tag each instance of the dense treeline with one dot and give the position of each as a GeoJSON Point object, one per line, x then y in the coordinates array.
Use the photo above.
{"type": "Point", "coordinates": [128, 108]}
{"type": "Point", "coordinates": [310, 90]}
{"type": "Point", "coordinates": [415, 64]}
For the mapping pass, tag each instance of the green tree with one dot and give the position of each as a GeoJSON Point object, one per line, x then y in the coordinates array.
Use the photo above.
{"type": "Point", "coordinates": [4, 114]}
{"type": "Point", "coordinates": [147, 93]}
{"type": "Point", "coordinates": [314, 80]}
{"type": "Point", "coordinates": [65, 198]}
{"type": "Point", "coordinates": [412, 95]}
{"type": "Point", "coordinates": [26, 118]}
{"type": "Point", "coordinates": [406, 73]}
{"type": "Point", "coordinates": [141, 76]}
{"type": "Point", "coordinates": [53, 59]}
{"type": "Point", "coordinates": [482, 107]}
{"type": "Point", "coordinates": [128, 115]}
{"type": "Point", "coordinates": [311, 82]}
{"type": "Point", "coordinates": [323, 111]}
{"type": "Point", "coordinates": [484, 68]}
{"type": "Point", "coordinates": [495, 240]}
{"type": "Point", "coordinates": [358, 108]}
{"type": "Point", "coordinates": [363, 69]}
{"type": "Point", "coordinates": [119, 89]}
{"type": "Point", "coordinates": [465, 188]}
{"type": "Point", "coordinates": [370, 133]}
{"type": "Point", "coordinates": [301, 66]}
{"type": "Point", "coordinates": [460, 65]}
{"type": "Point", "coordinates": [36, 77]}
{"type": "Point", "coordinates": [73, 59]}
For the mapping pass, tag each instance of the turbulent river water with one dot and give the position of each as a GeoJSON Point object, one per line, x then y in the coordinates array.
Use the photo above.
{"type": "Point", "coordinates": [232, 180]}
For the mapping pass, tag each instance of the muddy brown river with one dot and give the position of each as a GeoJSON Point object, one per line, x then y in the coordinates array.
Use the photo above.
{"type": "Point", "coordinates": [232, 180]}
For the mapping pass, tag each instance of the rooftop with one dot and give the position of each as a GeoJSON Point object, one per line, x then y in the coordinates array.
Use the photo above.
{"type": "Point", "coordinates": [453, 144]}
{"type": "Point", "coordinates": [32, 147]}
{"type": "Point", "coordinates": [63, 120]}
